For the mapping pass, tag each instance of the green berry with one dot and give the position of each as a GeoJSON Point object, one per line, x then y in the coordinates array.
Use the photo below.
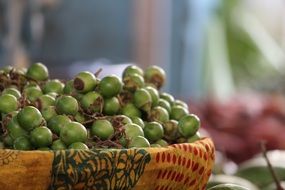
{"type": "Point", "coordinates": [139, 142]}
{"type": "Point", "coordinates": [133, 130]}
{"type": "Point", "coordinates": [154, 95]}
{"type": "Point", "coordinates": [111, 106]}
{"type": "Point", "coordinates": [180, 103]}
{"type": "Point", "coordinates": [22, 143]}
{"type": "Point", "coordinates": [110, 86]}
{"type": "Point", "coordinates": [58, 145]}
{"type": "Point", "coordinates": [66, 105]}
{"type": "Point", "coordinates": [84, 82]}
{"type": "Point", "coordinates": [133, 82]}
{"type": "Point", "coordinates": [155, 75]}
{"type": "Point", "coordinates": [153, 131]}
{"type": "Point", "coordinates": [189, 125]}
{"type": "Point", "coordinates": [168, 97]}
{"type": "Point", "coordinates": [159, 114]}
{"type": "Point", "coordinates": [53, 86]}
{"type": "Point", "coordinates": [56, 123]}
{"type": "Point", "coordinates": [177, 112]}
{"type": "Point", "coordinates": [162, 143]}
{"type": "Point", "coordinates": [41, 137]}
{"type": "Point", "coordinates": [102, 128]}
{"type": "Point", "coordinates": [132, 69]}
{"type": "Point", "coordinates": [32, 92]}
{"type": "Point", "coordinates": [38, 72]}
{"type": "Point", "coordinates": [13, 91]}
{"type": "Point", "coordinates": [194, 138]}
{"type": "Point", "coordinates": [14, 129]}
{"type": "Point", "coordinates": [142, 100]}
{"type": "Point", "coordinates": [92, 102]}
{"type": "Point", "coordinates": [78, 145]}
{"type": "Point", "coordinates": [138, 121]}
{"type": "Point", "coordinates": [73, 132]}
{"type": "Point", "coordinates": [165, 104]}
{"type": "Point", "coordinates": [131, 110]}
{"type": "Point", "coordinates": [44, 101]}
{"type": "Point", "coordinates": [8, 103]}
{"type": "Point", "coordinates": [29, 118]}
{"type": "Point", "coordinates": [69, 88]}
{"type": "Point", "coordinates": [48, 112]}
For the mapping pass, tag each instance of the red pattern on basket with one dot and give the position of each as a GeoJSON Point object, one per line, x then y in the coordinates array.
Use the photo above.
{"type": "Point", "coordinates": [182, 165]}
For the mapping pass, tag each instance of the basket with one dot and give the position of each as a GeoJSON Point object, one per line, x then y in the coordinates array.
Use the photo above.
{"type": "Point", "coordinates": [178, 166]}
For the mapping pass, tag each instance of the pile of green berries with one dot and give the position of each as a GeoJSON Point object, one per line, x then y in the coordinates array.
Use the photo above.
{"type": "Point", "coordinates": [87, 112]}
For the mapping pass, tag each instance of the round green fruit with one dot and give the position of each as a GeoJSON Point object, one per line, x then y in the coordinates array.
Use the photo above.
{"type": "Point", "coordinates": [8, 103]}
{"type": "Point", "coordinates": [79, 117]}
{"type": "Point", "coordinates": [53, 86]}
{"type": "Point", "coordinates": [68, 87]}
{"type": "Point", "coordinates": [155, 75]}
{"type": "Point", "coordinates": [32, 92]}
{"type": "Point", "coordinates": [44, 101]}
{"type": "Point", "coordinates": [180, 103]}
{"type": "Point", "coordinates": [153, 131]}
{"type": "Point", "coordinates": [29, 118]}
{"type": "Point", "coordinates": [41, 137]}
{"type": "Point", "coordinates": [138, 142]}
{"type": "Point", "coordinates": [138, 121]}
{"type": "Point", "coordinates": [110, 86]}
{"type": "Point", "coordinates": [133, 130]}
{"type": "Point", "coordinates": [154, 95]}
{"type": "Point", "coordinates": [159, 114]}
{"type": "Point", "coordinates": [111, 106]}
{"type": "Point", "coordinates": [132, 69]}
{"type": "Point", "coordinates": [162, 143]}
{"type": "Point", "coordinates": [78, 145]}
{"type": "Point", "coordinates": [73, 132]}
{"type": "Point", "coordinates": [13, 91]}
{"type": "Point", "coordinates": [131, 110]}
{"type": "Point", "coordinates": [22, 143]}
{"type": "Point", "coordinates": [121, 120]}
{"type": "Point", "coordinates": [58, 145]}
{"type": "Point", "coordinates": [142, 100]}
{"type": "Point", "coordinates": [177, 112]}
{"type": "Point", "coordinates": [171, 129]}
{"type": "Point", "coordinates": [189, 125]}
{"type": "Point", "coordinates": [56, 123]}
{"type": "Point", "coordinates": [14, 129]}
{"type": "Point", "coordinates": [165, 104]}
{"type": "Point", "coordinates": [48, 112]}
{"type": "Point", "coordinates": [92, 102]}
{"type": "Point", "coordinates": [85, 81]}
{"type": "Point", "coordinates": [38, 71]}
{"type": "Point", "coordinates": [103, 129]}
{"type": "Point", "coordinates": [168, 97]}
{"type": "Point", "coordinates": [133, 82]}
{"type": "Point", "coordinates": [66, 105]}
{"type": "Point", "coordinates": [194, 138]}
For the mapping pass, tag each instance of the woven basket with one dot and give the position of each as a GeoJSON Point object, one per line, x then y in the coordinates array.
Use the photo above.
{"type": "Point", "coordinates": [179, 166]}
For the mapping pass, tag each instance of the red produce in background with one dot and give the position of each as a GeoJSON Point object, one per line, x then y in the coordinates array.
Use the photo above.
{"type": "Point", "coordinates": [238, 126]}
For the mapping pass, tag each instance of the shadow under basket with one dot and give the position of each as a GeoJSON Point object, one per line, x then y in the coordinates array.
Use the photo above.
{"type": "Point", "coordinates": [179, 166]}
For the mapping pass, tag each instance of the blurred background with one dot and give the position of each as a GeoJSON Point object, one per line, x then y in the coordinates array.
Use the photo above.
{"type": "Point", "coordinates": [225, 58]}
{"type": "Point", "coordinates": [209, 47]}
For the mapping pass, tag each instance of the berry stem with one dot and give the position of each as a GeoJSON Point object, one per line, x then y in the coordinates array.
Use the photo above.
{"type": "Point", "coordinates": [275, 178]}
{"type": "Point", "coordinates": [98, 72]}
